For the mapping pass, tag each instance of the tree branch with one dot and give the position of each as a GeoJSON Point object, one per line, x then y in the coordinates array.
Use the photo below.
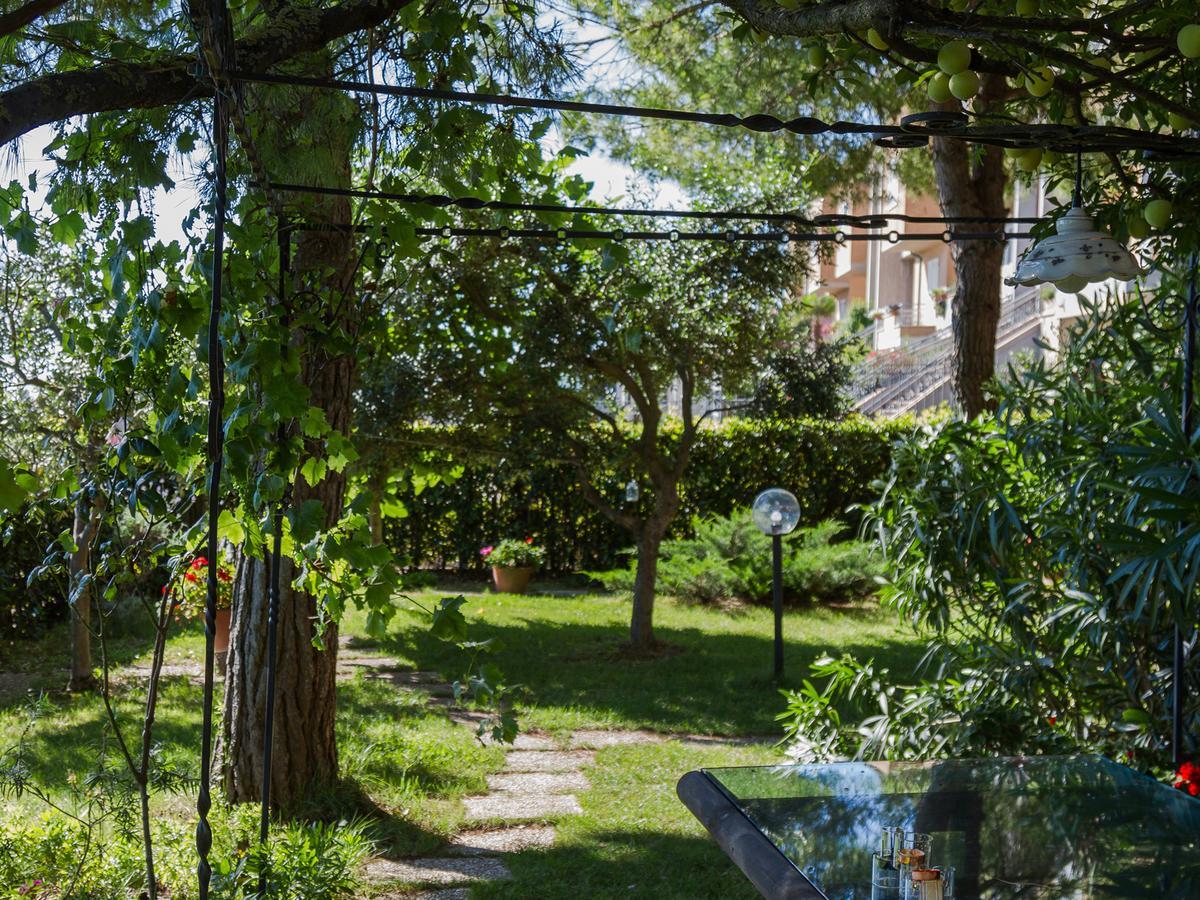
{"type": "Point", "coordinates": [116, 86]}
{"type": "Point", "coordinates": [14, 21]}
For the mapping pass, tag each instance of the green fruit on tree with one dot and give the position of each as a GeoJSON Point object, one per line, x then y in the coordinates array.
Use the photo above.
{"type": "Point", "coordinates": [1015, 152]}
{"type": "Point", "coordinates": [1138, 227]}
{"type": "Point", "coordinates": [760, 37]}
{"type": "Point", "coordinates": [1039, 81]}
{"type": "Point", "coordinates": [817, 56]}
{"type": "Point", "coordinates": [1158, 213]}
{"type": "Point", "coordinates": [1029, 161]}
{"type": "Point", "coordinates": [954, 57]}
{"type": "Point", "coordinates": [1188, 40]}
{"type": "Point", "coordinates": [875, 39]}
{"type": "Point", "coordinates": [964, 85]}
{"type": "Point", "coordinates": [1027, 8]}
{"type": "Point", "coordinates": [1180, 123]}
{"type": "Point", "coordinates": [938, 88]}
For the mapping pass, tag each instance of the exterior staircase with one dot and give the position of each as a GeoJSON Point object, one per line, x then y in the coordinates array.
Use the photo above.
{"type": "Point", "coordinates": [917, 375]}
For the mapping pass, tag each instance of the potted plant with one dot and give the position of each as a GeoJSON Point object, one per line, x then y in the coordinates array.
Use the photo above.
{"type": "Point", "coordinates": [513, 563]}
{"type": "Point", "coordinates": [941, 297]}
{"type": "Point", "coordinates": [192, 595]}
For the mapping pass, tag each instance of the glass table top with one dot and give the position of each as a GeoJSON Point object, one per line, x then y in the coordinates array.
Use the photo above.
{"type": "Point", "coordinates": [1034, 827]}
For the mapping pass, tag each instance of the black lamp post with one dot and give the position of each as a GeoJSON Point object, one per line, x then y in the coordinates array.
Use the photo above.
{"type": "Point", "coordinates": [776, 512]}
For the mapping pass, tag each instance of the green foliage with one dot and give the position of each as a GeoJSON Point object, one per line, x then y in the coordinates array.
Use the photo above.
{"type": "Point", "coordinates": [511, 554]}
{"type": "Point", "coordinates": [1048, 553]}
{"type": "Point", "coordinates": [729, 559]}
{"type": "Point", "coordinates": [829, 466]}
{"type": "Point", "coordinates": [810, 382]}
{"type": "Point", "coordinates": [27, 609]}
{"type": "Point", "coordinates": [53, 856]}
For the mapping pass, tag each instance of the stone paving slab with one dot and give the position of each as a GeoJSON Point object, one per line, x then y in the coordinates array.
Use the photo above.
{"type": "Point", "coordinates": [443, 894]}
{"type": "Point", "coordinates": [413, 678]}
{"type": "Point", "coordinates": [548, 760]}
{"type": "Point", "coordinates": [708, 740]}
{"type": "Point", "coordinates": [537, 782]}
{"type": "Point", "coordinates": [447, 871]}
{"type": "Point", "coordinates": [526, 741]}
{"type": "Point", "coordinates": [502, 840]}
{"type": "Point", "coordinates": [596, 739]}
{"type": "Point", "coordinates": [520, 807]}
{"type": "Point", "coordinates": [349, 662]}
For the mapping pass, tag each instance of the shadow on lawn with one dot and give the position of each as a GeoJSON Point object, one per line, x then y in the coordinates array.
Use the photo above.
{"type": "Point", "coordinates": [713, 683]}
{"type": "Point", "coordinates": [621, 864]}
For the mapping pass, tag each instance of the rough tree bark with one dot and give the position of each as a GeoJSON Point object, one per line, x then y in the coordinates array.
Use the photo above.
{"type": "Point", "coordinates": [88, 514]}
{"type": "Point", "coordinates": [305, 750]}
{"type": "Point", "coordinates": [971, 182]}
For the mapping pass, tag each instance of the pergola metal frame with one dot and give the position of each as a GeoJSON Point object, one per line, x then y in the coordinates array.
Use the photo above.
{"type": "Point", "coordinates": [219, 66]}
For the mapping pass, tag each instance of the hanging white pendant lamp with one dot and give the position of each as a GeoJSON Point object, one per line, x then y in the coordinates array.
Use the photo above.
{"type": "Point", "coordinates": [1076, 255]}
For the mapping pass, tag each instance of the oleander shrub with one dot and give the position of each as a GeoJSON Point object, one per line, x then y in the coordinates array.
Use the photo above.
{"type": "Point", "coordinates": [1045, 553]}
{"type": "Point", "coordinates": [729, 560]}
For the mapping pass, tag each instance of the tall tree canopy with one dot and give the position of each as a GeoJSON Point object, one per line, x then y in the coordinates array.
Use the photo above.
{"type": "Point", "coordinates": [1047, 61]}
{"type": "Point", "coordinates": [574, 351]}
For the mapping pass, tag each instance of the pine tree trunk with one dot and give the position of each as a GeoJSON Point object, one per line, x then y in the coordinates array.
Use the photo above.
{"type": "Point", "coordinates": [83, 532]}
{"type": "Point", "coordinates": [971, 182]}
{"type": "Point", "coordinates": [305, 749]}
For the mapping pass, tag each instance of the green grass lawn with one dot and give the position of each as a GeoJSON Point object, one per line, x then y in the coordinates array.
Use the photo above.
{"type": "Point", "coordinates": [714, 678]}
{"type": "Point", "coordinates": [407, 765]}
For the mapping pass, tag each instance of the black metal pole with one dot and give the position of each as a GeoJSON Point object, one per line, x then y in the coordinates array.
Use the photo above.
{"type": "Point", "coordinates": [216, 402]}
{"type": "Point", "coordinates": [264, 824]}
{"type": "Point", "coordinates": [1179, 662]}
{"type": "Point", "coordinates": [777, 598]}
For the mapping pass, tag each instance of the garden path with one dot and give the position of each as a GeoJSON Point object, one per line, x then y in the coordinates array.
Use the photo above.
{"type": "Point", "coordinates": [536, 788]}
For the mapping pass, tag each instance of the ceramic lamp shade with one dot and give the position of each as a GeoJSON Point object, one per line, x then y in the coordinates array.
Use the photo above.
{"type": "Point", "coordinates": [1075, 256]}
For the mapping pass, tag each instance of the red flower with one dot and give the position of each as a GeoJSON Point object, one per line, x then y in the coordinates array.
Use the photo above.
{"type": "Point", "coordinates": [166, 587]}
{"type": "Point", "coordinates": [190, 576]}
{"type": "Point", "coordinates": [223, 575]}
{"type": "Point", "coordinates": [199, 562]}
{"type": "Point", "coordinates": [1193, 788]}
{"type": "Point", "coordinates": [529, 540]}
{"type": "Point", "coordinates": [1051, 719]}
{"type": "Point", "coordinates": [1188, 771]}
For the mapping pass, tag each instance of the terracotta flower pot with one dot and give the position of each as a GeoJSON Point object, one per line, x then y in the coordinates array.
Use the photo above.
{"type": "Point", "coordinates": [511, 581]}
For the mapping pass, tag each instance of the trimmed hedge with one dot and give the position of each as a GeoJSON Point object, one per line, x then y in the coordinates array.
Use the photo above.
{"type": "Point", "coordinates": [829, 466]}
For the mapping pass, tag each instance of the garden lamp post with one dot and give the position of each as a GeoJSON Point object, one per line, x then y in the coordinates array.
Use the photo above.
{"type": "Point", "coordinates": [776, 512]}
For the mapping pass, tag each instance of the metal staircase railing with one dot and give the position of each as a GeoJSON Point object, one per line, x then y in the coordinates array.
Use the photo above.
{"type": "Point", "coordinates": [895, 381]}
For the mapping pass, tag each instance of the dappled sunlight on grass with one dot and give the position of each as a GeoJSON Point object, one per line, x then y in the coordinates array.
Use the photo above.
{"type": "Point", "coordinates": [716, 679]}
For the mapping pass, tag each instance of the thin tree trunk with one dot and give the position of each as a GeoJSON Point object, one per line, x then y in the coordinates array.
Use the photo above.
{"type": "Point", "coordinates": [641, 629]}
{"type": "Point", "coordinates": [305, 750]}
{"type": "Point", "coordinates": [83, 532]}
{"type": "Point", "coordinates": [971, 182]}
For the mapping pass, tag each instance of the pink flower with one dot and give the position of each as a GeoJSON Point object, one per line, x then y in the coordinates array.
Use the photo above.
{"type": "Point", "coordinates": [486, 550]}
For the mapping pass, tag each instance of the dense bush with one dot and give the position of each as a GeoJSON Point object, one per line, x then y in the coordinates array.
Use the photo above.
{"type": "Point", "coordinates": [1047, 553]}
{"type": "Point", "coordinates": [829, 466]}
{"type": "Point", "coordinates": [729, 559]}
{"type": "Point", "coordinates": [26, 609]}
